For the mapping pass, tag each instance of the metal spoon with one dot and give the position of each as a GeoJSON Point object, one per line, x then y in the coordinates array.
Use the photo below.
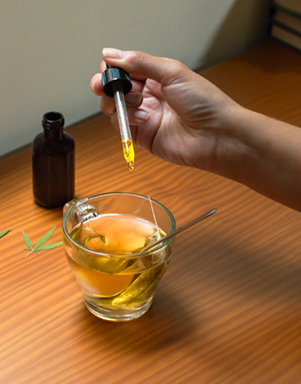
{"type": "Point", "coordinates": [179, 230]}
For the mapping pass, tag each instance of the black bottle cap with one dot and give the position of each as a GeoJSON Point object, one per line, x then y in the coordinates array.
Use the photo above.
{"type": "Point", "coordinates": [53, 120]}
{"type": "Point", "coordinates": [112, 74]}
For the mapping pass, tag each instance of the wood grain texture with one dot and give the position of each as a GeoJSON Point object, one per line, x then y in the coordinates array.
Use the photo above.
{"type": "Point", "coordinates": [228, 309]}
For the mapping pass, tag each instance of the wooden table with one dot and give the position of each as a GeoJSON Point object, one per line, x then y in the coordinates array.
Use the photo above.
{"type": "Point", "coordinates": [228, 310]}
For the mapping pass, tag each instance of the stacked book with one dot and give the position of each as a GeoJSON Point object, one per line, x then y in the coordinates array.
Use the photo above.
{"type": "Point", "coordinates": [286, 22]}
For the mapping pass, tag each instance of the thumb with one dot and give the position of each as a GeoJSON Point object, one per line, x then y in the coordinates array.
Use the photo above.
{"type": "Point", "coordinates": [164, 71]}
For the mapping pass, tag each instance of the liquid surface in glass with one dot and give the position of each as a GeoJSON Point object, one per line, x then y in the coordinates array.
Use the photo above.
{"type": "Point", "coordinates": [122, 280]}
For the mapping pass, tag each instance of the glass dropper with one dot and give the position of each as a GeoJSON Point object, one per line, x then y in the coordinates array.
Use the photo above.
{"type": "Point", "coordinates": [116, 82]}
{"type": "Point", "coordinates": [124, 126]}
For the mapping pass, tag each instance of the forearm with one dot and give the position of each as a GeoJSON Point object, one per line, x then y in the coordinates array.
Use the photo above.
{"type": "Point", "coordinates": [191, 122]}
{"type": "Point", "coordinates": [265, 155]}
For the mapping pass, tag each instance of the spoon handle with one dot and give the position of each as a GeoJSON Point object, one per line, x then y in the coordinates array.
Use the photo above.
{"type": "Point", "coordinates": [179, 230]}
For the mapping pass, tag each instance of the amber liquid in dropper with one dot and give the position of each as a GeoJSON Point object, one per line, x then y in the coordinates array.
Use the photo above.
{"type": "Point", "coordinates": [128, 152]}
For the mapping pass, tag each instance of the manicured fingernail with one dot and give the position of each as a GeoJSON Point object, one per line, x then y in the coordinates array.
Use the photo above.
{"type": "Point", "coordinates": [111, 53]}
{"type": "Point", "coordinates": [141, 115]}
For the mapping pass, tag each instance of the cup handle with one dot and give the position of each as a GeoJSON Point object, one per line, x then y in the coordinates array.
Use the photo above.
{"type": "Point", "coordinates": [69, 204]}
{"type": "Point", "coordinates": [85, 211]}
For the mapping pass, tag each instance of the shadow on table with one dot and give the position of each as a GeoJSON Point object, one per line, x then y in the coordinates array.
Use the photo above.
{"type": "Point", "coordinates": [166, 323]}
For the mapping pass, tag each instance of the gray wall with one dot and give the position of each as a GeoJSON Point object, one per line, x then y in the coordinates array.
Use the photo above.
{"type": "Point", "coordinates": [50, 49]}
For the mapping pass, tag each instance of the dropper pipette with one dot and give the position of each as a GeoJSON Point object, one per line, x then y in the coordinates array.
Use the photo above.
{"type": "Point", "coordinates": [124, 126]}
{"type": "Point", "coordinates": [116, 82]}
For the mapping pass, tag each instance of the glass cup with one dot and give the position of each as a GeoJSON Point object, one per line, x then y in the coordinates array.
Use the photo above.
{"type": "Point", "coordinates": [104, 237]}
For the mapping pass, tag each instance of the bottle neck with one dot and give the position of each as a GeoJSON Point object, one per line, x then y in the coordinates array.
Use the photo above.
{"type": "Point", "coordinates": [53, 124]}
{"type": "Point", "coordinates": [54, 133]}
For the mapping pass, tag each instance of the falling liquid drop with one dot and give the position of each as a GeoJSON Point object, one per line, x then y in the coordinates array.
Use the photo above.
{"type": "Point", "coordinates": [131, 165]}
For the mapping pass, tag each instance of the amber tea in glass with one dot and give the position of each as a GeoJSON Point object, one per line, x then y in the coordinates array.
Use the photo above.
{"type": "Point", "coordinates": [104, 237]}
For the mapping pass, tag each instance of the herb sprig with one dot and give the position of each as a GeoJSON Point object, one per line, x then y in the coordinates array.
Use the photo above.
{"type": "Point", "coordinates": [38, 246]}
{"type": "Point", "coordinates": [4, 233]}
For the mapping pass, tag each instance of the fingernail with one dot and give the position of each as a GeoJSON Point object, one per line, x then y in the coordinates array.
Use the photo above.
{"type": "Point", "coordinates": [97, 83]}
{"type": "Point", "coordinates": [141, 115]}
{"type": "Point", "coordinates": [111, 53]}
{"type": "Point", "coordinates": [133, 99]}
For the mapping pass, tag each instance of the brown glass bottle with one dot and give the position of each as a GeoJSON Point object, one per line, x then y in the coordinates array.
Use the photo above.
{"type": "Point", "coordinates": [53, 163]}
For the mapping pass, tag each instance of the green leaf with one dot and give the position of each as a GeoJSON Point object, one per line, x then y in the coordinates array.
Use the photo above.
{"type": "Point", "coordinates": [44, 238]}
{"type": "Point", "coordinates": [2, 234]}
{"type": "Point", "coordinates": [50, 246]}
{"type": "Point", "coordinates": [27, 240]}
{"type": "Point", "coordinates": [40, 242]}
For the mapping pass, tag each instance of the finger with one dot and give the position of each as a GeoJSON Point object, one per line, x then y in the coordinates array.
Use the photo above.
{"type": "Point", "coordinates": [137, 81]}
{"type": "Point", "coordinates": [133, 76]}
{"type": "Point", "coordinates": [97, 88]}
{"type": "Point", "coordinates": [107, 104]}
{"type": "Point", "coordinates": [164, 71]}
{"type": "Point", "coordinates": [135, 116]}
{"type": "Point", "coordinates": [103, 66]}
{"type": "Point", "coordinates": [133, 99]}
{"type": "Point", "coordinates": [96, 85]}
{"type": "Point", "coordinates": [137, 86]}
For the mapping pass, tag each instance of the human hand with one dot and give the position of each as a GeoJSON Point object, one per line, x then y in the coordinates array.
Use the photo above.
{"type": "Point", "coordinates": [174, 113]}
{"type": "Point", "coordinates": [181, 117]}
